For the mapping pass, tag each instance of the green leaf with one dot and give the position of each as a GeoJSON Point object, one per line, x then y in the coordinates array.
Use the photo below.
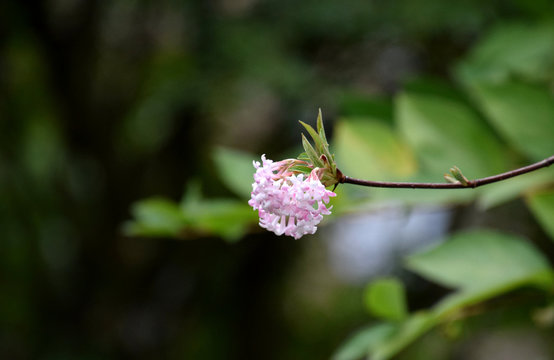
{"type": "Point", "coordinates": [458, 175]}
{"type": "Point", "coordinates": [385, 298]}
{"type": "Point", "coordinates": [420, 323]}
{"type": "Point", "coordinates": [310, 151]}
{"type": "Point", "coordinates": [155, 217]}
{"type": "Point", "coordinates": [223, 217]}
{"type": "Point", "coordinates": [303, 156]}
{"type": "Point", "coordinates": [364, 341]}
{"type": "Point", "coordinates": [432, 86]}
{"type": "Point", "coordinates": [321, 129]}
{"type": "Point", "coordinates": [193, 216]}
{"type": "Point", "coordinates": [416, 325]}
{"type": "Point", "coordinates": [356, 104]}
{"type": "Point", "coordinates": [301, 168]}
{"type": "Point", "coordinates": [523, 114]}
{"type": "Point", "coordinates": [315, 136]}
{"type": "Point", "coordinates": [424, 196]}
{"type": "Point", "coordinates": [321, 145]}
{"type": "Point", "coordinates": [192, 197]}
{"type": "Point", "coordinates": [483, 264]}
{"type": "Point", "coordinates": [542, 206]}
{"type": "Point", "coordinates": [236, 170]}
{"type": "Point", "coordinates": [520, 49]}
{"type": "Point", "coordinates": [478, 260]}
{"type": "Point", "coordinates": [369, 149]}
{"type": "Point", "coordinates": [445, 132]}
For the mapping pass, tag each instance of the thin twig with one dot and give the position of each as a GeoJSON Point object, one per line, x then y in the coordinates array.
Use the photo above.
{"type": "Point", "coordinates": [471, 183]}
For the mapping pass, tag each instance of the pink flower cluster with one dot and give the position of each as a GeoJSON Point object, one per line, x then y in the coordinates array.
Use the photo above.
{"type": "Point", "coordinates": [287, 203]}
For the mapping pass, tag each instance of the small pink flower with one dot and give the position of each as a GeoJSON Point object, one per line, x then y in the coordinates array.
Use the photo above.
{"type": "Point", "coordinates": [287, 203]}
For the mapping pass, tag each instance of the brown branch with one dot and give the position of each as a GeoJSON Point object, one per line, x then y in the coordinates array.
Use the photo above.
{"type": "Point", "coordinates": [471, 183]}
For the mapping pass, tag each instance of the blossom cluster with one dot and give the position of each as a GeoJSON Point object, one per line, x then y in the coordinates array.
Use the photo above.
{"type": "Point", "coordinates": [288, 203]}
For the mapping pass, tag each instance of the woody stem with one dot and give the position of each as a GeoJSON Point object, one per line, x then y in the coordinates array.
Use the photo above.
{"type": "Point", "coordinates": [470, 184]}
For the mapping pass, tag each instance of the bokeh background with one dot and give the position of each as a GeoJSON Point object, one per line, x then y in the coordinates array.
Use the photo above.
{"type": "Point", "coordinates": [105, 103]}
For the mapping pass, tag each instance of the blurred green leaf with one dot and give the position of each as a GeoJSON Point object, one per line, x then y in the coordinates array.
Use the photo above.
{"type": "Point", "coordinates": [421, 322]}
{"type": "Point", "coordinates": [432, 86]}
{"type": "Point", "coordinates": [364, 341]}
{"type": "Point", "coordinates": [369, 149]}
{"type": "Point", "coordinates": [171, 81]}
{"type": "Point", "coordinates": [522, 49]}
{"type": "Point", "coordinates": [444, 132]}
{"type": "Point", "coordinates": [482, 264]}
{"type": "Point", "coordinates": [360, 105]}
{"type": "Point", "coordinates": [415, 326]}
{"type": "Point", "coordinates": [155, 217]}
{"type": "Point", "coordinates": [254, 50]}
{"type": "Point", "coordinates": [385, 298]}
{"type": "Point", "coordinates": [425, 196]}
{"type": "Point", "coordinates": [192, 196]}
{"type": "Point", "coordinates": [42, 152]}
{"type": "Point", "coordinates": [478, 260]}
{"type": "Point", "coordinates": [193, 216]}
{"type": "Point", "coordinates": [224, 217]}
{"type": "Point", "coordinates": [542, 206]}
{"type": "Point", "coordinates": [503, 191]}
{"type": "Point", "coordinates": [235, 169]}
{"type": "Point", "coordinates": [523, 114]}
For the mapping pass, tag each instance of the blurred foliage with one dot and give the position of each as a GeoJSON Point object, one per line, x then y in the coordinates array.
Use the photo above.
{"type": "Point", "coordinates": [194, 216]}
{"type": "Point", "coordinates": [371, 150]}
{"type": "Point", "coordinates": [441, 129]}
{"type": "Point", "coordinates": [479, 264]}
{"type": "Point", "coordinates": [542, 205]}
{"type": "Point", "coordinates": [105, 103]}
{"type": "Point", "coordinates": [385, 298]}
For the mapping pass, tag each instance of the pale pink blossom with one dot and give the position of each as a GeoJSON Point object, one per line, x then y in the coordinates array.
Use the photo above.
{"type": "Point", "coordinates": [287, 203]}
